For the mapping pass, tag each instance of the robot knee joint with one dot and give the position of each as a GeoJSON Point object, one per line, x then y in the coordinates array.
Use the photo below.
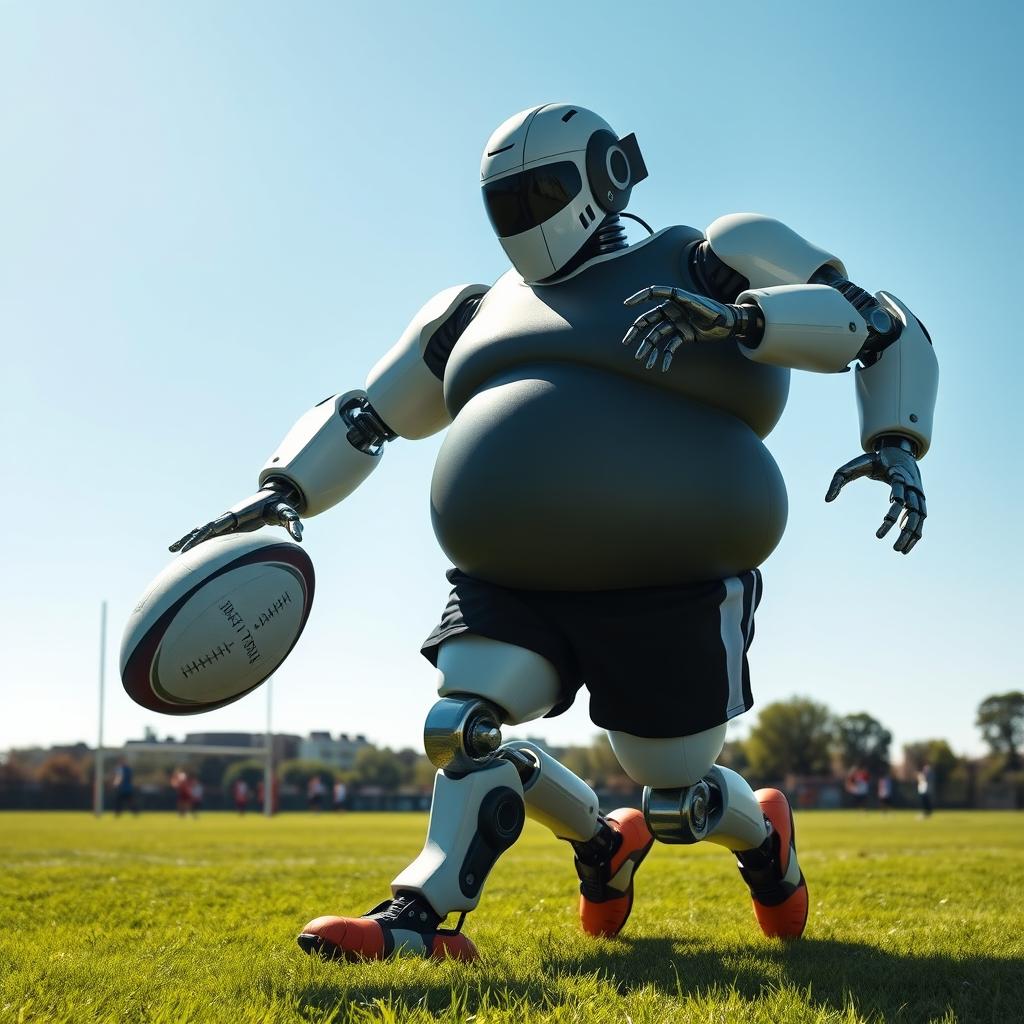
{"type": "Point", "coordinates": [680, 815]}
{"type": "Point", "coordinates": [462, 733]}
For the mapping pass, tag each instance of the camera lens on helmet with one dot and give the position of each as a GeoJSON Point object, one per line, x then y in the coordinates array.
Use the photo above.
{"type": "Point", "coordinates": [618, 167]}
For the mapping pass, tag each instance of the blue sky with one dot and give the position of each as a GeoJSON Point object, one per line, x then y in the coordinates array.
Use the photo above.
{"type": "Point", "coordinates": [211, 216]}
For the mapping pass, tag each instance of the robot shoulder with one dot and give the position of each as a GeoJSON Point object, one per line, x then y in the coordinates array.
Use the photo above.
{"type": "Point", "coordinates": [765, 251]}
{"type": "Point", "coordinates": [404, 386]}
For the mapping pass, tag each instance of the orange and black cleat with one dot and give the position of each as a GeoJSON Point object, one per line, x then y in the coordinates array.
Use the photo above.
{"type": "Point", "coordinates": [606, 866]}
{"type": "Point", "coordinates": [772, 873]}
{"type": "Point", "coordinates": [405, 924]}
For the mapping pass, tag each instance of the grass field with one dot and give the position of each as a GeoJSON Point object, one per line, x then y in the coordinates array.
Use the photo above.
{"type": "Point", "coordinates": [159, 919]}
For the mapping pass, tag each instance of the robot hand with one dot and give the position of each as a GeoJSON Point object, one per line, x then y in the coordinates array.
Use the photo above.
{"type": "Point", "coordinates": [895, 464]}
{"type": "Point", "coordinates": [275, 505]}
{"type": "Point", "coordinates": [683, 316]}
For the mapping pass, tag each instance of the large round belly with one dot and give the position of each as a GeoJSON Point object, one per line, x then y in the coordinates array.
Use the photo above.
{"type": "Point", "coordinates": [562, 477]}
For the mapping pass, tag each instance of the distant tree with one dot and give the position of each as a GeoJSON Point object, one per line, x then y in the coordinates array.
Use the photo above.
{"type": "Point", "coordinates": [298, 772]}
{"type": "Point", "coordinates": [60, 769]}
{"type": "Point", "coordinates": [423, 772]}
{"type": "Point", "coordinates": [577, 760]}
{"type": "Point", "coordinates": [1001, 720]}
{"type": "Point", "coordinates": [863, 741]}
{"type": "Point", "coordinates": [734, 756]}
{"type": "Point", "coordinates": [378, 767]}
{"type": "Point", "coordinates": [409, 759]}
{"type": "Point", "coordinates": [937, 753]}
{"type": "Point", "coordinates": [13, 769]}
{"type": "Point", "coordinates": [791, 737]}
{"type": "Point", "coordinates": [596, 763]}
{"type": "Point", "coordinates": [250, 770]}
{"type": "Point", "coordinates": [604, 764]}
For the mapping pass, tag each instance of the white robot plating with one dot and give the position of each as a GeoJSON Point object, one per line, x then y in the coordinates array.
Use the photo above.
{"type": "Point", "coordinates": [546, 381]}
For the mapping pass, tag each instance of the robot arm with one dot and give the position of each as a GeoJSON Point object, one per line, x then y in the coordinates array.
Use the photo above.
{"type": "Point", "coordinates": [798, 309]}
{"type": "Point", "coordinates": [335, 446]}
{"type": "Point", "coordinates": [814, 318]}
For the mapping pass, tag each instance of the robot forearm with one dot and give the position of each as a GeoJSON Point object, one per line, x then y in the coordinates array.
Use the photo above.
{"type": "Point", "coordinates": [897, 386]}
{"type": "Point", "coordinates": [329, 452]}
{"type": "Point", "coordinates": [806, 327]}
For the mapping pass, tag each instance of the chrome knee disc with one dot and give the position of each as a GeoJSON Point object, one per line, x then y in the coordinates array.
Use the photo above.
{"type": "Point", "coordinates": [678, 815]}
{"type": "Point", "coordinates": [461, 734]}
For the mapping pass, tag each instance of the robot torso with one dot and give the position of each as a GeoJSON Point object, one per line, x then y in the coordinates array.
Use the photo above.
{"type": "Point", "coordinates": [568, 466]}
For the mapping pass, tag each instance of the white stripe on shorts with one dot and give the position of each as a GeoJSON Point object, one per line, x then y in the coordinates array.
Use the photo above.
{"type": "Point", "coordinates": [731, 614]}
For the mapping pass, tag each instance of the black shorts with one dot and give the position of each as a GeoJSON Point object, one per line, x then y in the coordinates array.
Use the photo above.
{"type": "Point", "coordinates": [658, 661]}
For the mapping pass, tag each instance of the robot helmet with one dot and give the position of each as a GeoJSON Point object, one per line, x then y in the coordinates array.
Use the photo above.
{"type": "Point", "coordinates": [550, 175]}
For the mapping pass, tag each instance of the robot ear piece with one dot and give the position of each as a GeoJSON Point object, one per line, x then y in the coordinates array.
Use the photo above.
{"type": "Point", "coordinates": [614, 166]}
{"type": "Point", "coordinates": [637, 167]}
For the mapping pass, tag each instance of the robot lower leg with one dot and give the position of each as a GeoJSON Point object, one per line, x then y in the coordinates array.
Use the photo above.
{"type": "Point", "coordinates": [482, 794]}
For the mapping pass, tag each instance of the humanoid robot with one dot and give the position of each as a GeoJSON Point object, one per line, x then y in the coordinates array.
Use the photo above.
{"type": "Point", "coordinates": [605, 497]}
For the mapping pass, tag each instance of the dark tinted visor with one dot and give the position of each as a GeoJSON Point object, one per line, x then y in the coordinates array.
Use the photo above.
{"type": "Point", "coordinates": [522, 201]}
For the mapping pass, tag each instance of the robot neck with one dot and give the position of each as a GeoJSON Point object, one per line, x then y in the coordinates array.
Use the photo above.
{"type": "Point", "coordinates": [609, 237]}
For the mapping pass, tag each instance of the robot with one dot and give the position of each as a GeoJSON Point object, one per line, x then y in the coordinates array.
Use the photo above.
{"type": "Point", "coordinates": [605, 498]}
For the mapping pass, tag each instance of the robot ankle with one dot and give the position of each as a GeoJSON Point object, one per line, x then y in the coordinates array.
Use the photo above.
{"type": "Point", "coordinates": [600, 848]}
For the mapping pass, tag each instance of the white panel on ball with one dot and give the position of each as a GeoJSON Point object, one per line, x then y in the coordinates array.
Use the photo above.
{"type": "Point", "coordinates": [216, 623]}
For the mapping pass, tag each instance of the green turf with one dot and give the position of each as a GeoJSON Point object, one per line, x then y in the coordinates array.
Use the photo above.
{"type": "Point", "coordinates": [160, 919]}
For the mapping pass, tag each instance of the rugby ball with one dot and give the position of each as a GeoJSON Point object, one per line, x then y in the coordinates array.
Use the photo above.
{"type": "Point", "coordinates": [216, 623]}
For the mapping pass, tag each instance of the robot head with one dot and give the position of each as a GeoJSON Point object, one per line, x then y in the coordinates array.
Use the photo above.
{"type": "Point", "coordinates": [550, 175]}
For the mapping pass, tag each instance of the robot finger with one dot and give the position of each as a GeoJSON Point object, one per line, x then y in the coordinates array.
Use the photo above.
{"type": "Point", "coordinates": [914, 500]}
{"type": "Point", "coordinates": [176, 546]}
{"type": "Point", "coordinates": [670, 350]}
{"type": "Point", "coordinates": [664, 291]}
{"type": "Point", "coordinates": [677, 316]}
{"type": "Point", "coordinates": [289, 519]}
{"type": "Point", "coordinates": [641, 325]}
{"type": "Point", "coordinates": [190, 540]}
{"type": "Point", "coordinates": [644, 295]}
{"type": "Point", "coordinates": [653, 340]}
{"type": "Point", "coordinates": [180, 542]}
{"type": "Point", "coordinates": [912, 525]}
{"type": "Point", "coordinates": [915, 538]}
{"type": "Point", "coordinates": [910, 535]}
{"type": "Point", "coordinates": [854, 469]}
{"type": "Point", "coordinates": [890, 519]}
{"type": "Point", "coordinates": [684, 328]}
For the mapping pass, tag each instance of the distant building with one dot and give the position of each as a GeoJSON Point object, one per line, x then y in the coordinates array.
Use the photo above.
{"type": "Point", "coordinates": [227, 739]}
{"type": "Point", "coordinates": [338, 753]}
{"type": "Point", "coordinates": [286, 746]}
